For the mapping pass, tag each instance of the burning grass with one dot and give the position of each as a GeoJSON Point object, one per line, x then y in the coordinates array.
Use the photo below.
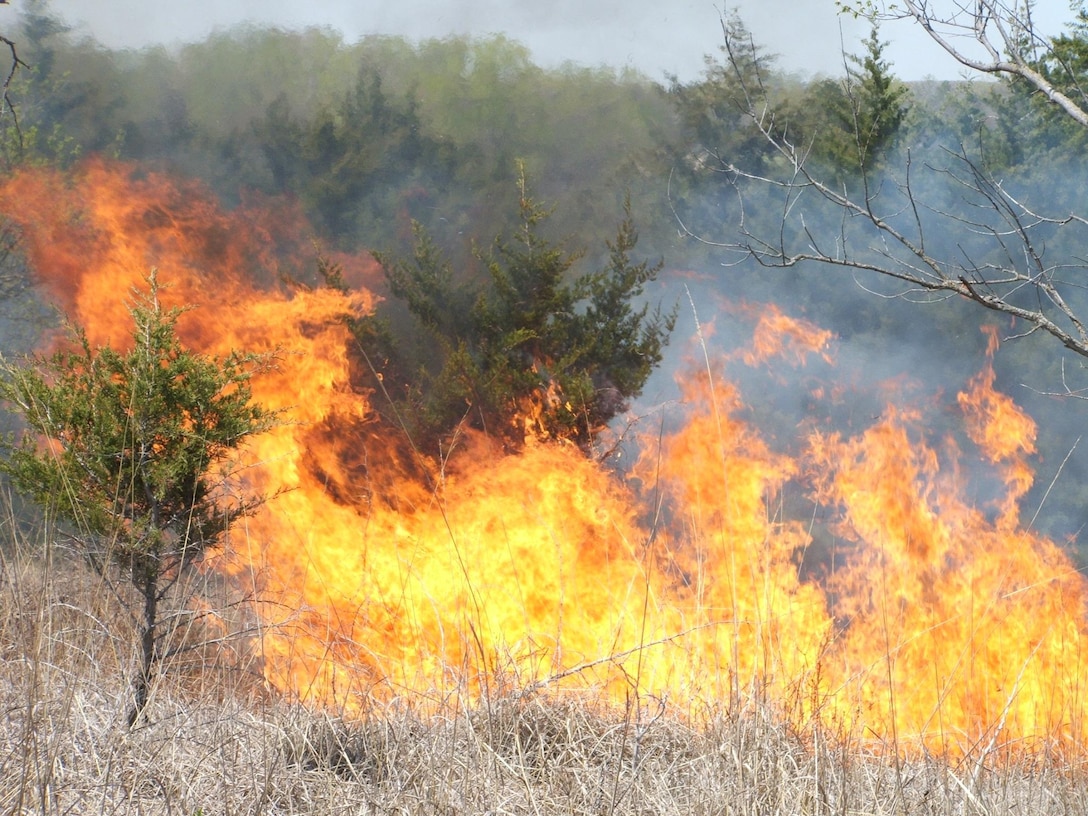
{"type": "Point", "coordinates": [217, 742]}
{"type": "Point", "coordinates": [535, 633]}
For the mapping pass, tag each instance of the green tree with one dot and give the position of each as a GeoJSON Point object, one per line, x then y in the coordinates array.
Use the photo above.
{"type": "Point", "coordinates": [715, 110]}
{"type": "Point", "coordinates": [355, 163]}
{"type": "Point", "coordinates": [69, 99]}
{"type": "Point", "coordinates": [1065, 63]}
{"type": "Point", "coordinates": [1064, 67]}
{"type": "Point", "coordinates": [719, 132]}
{"type": "Point", "coordinates": [8, 108]}
{"type": "Point", "coordinates": [879, 100]}
{"type": "Point", "coordinates": [537, 350]}
{"type": "Point", "coordinates": [135, 449]}
{"type": "Point", "coordinates": [846, 126]}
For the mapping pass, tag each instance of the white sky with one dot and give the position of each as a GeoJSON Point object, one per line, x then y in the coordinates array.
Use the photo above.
{"type": "Point", "coordinates": [658, 37]}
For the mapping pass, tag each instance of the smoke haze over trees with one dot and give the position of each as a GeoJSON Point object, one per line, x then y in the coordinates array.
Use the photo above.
{"type": "Point", "coordinates": [374, 136]}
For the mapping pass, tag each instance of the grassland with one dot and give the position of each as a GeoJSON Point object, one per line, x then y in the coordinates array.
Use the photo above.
{"type": "Point", "coordinates": [217, 741]}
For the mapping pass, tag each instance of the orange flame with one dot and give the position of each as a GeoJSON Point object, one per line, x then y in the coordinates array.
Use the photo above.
{"type": "Point", "coordinates": [779, 335]}
{"type": "Point", "coordinates": [383, 574]}
{"type": "Point", "coordinates": [1004, 434]}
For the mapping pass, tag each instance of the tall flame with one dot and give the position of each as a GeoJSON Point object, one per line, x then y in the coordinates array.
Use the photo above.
{"type": "Point", "coordinates": [937, 623]}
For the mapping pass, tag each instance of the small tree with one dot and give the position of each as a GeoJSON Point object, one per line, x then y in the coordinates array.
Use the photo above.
{"type": "Point", "coordinates": [135, 450]}
{"type": "Point", "coordinates": [879, 99]}
{"type": "Point", "coordinates": [714, 110]}
{"type": "Point", "coordinates": [847, 125]}
{"type": "Point", "coordinates": [538, 349]}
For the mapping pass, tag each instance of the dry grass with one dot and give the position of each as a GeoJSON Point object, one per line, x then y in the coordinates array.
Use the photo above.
{"type": "Point", "coordinates": [216, 743]}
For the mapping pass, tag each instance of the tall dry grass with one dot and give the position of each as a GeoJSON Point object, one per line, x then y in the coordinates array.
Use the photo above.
{"type": "Point", "coordinates": [216, 742]}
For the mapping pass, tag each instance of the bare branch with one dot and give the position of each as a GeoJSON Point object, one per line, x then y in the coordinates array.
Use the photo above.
{"type": "Point", "coordinates": [7, 106]}
{"type": "Point", "coordinates": [997, 255]}
{"type": "Point", "coordinates": [1004, 37]}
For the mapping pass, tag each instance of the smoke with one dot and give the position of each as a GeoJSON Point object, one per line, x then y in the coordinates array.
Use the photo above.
{"type": "Point", "coordinates": [655, 38]}
{"type": "Point", "coordinates": [878, 340]}
{"type": "Point", "coordinates": [896, 348]}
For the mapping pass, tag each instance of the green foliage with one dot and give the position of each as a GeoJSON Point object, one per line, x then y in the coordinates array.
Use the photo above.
{"type": "Point", "coordinates": [369, 135]}
{"type": "Point", "coordinates": [1065, 64]}
{"type": "Point", "coordinates": [880, 100]}
{"type": "Point", "coordinates": [430, 133]}
{"type": "Point", "coordinates": [134, 449]}
{"type": "Point", "coordinates": [355, 164]}
{"type": "Point", "coordinates": [841, 125]}
{"type": "Point", "coordinates": [847, 126]}
{"type": "Point", "coordinates": [717, 130]}
{"type": "Point", "coordinates": [71, 97]}
{"type": "Point", "coordinates": [537, 350]}
{"type": "Point", "coordinates": [136, 439]}
{"type": "Point", "coordinates": [1017, 128]}
{"type": "Point", "coordinates": [229, 79]}
{"type": "Point", "coordinates": [714, 110]}
{"type": "Point", "coordinates": [1009, 126]}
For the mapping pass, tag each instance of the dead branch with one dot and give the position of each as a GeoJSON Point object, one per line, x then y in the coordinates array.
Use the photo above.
{"type": "Point", "coordinates": [8, 106]}
{"type": "Point", "coordinates": [990, 37]}
{"type": "Point", "coordinates": [998, 257]}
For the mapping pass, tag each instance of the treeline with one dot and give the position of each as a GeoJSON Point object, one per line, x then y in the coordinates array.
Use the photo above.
{"type": "Point", "coordinates": [368, 135]}
{"type": "Point", "coordinates": [374, 134]}
{"type": "Point", "coordinates": [421, 153]}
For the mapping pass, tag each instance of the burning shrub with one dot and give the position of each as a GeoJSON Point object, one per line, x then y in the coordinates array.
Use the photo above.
{"type": "Point", "coordinates": [535, 351]}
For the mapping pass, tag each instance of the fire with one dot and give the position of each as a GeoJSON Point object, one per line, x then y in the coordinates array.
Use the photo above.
{"type": "Point", "coordinates": [777, 335]}
{"type": "Point", "coordinates": [1004, 434]}
{"type": "Point", "coordinates": [938, 623]}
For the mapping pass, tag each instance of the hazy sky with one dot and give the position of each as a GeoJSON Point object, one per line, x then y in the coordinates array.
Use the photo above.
{"type": "Point", "coordinates": [656, 36]}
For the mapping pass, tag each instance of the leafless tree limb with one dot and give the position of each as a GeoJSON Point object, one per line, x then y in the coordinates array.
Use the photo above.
{"type": "Point", "coordinates": [990, 37]}
{"type": "Point", "coordinates": [998, 253]}
{"type": "Point", "coordinates": [7, 106]}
